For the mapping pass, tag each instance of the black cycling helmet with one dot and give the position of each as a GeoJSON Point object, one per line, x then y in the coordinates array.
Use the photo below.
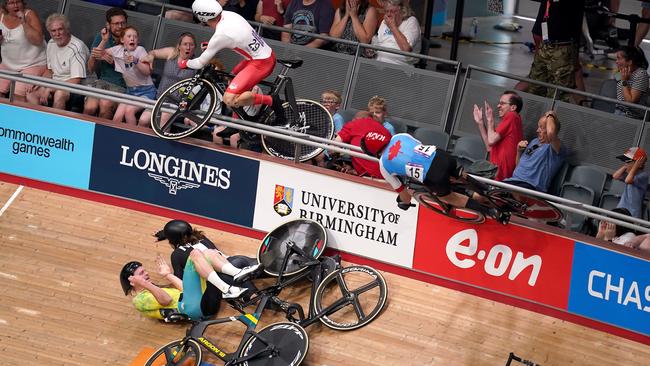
{"type": "Point", "coordinates": [127, 271]}
{"type": "Point", "coordinates": [175, 231]}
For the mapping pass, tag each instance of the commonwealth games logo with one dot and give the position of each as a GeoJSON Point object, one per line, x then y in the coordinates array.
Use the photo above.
{"type": "Point", "coordinates": [283, 200]}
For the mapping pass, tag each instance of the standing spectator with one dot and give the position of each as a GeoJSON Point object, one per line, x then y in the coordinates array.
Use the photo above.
{"type": "Point", "coordinates": [354, 20]}
{"type": "Point", "coordinates": [23, 47]}
{"type": "Point", "coordinates": [399, 30]}
{"type": "Point", "coordinates": [378, 109]}
{"type": "Point", "coordinates": [635, 178]}
{"type": "Point", "coordinates": [633, 84]}
{"type": "Point", "coordinates": [101, 63]}
{"type": "Point", "coordinates": [66, 59]}
{"type": "Point", "coordinates": [136, 74]}
{"type": "Point", "coordinates": [352, 133]}
{"type": "Point", "coordinates": [554, 62]}
{"type": "Point", "coordinates": [502, 141]}
{"type": "Point", "coordinates": [271, 12]}
{"type": "Point", "coordinates": [539, 160]}
{"type": "Point", "coordinates": [184, 50]}
{"type": "Point", "coordinates": [245, 8]}
{"type": "Point", "coordinates": [314, 16]}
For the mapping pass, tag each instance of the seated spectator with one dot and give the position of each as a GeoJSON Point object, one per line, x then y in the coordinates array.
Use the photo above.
{"type": "Point", "coordinates": [633, 84]}
{"type": "Point", "coordinates": [245, 8]}
{"type": "Point", "coordinates": [101, 63]}
{"type": "Point", "coordinates": [378, 109]}
{"type": "Point", "coordinates": [314, 16]}
{"type": "Point", "coordinates": [184, 16]}
{"type": "Point", "coordinates": [66, 59]}
{"type": "Point", "coordinates": [399, 30]}
{"type": "Point", "coordinates": [501, 141]}
{"type": "Point", "coordinates": [621, 235]}
{"type": "Point", "coordinates": [354, 20]}
{"type": "Point", "coordinates": [331, 100]}
{"type": "Point", "coordinates": [539, 160]}
{"type": "Point", "coordinates": [137, 75]}
{"type": "Point", "coordinates": [271, 12]}
{"type": "Point", "coordinates": [23, 47]}
{"type": "Point", "coordinates": [352, 133]}
{"type": "Point", "coordinates": [184, 50]}
{"type": "Point", "coordinates": [635, 178]}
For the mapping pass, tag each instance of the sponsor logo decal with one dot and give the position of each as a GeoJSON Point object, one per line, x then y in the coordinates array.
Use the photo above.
{"type": "Point", "coordinates": [283, 200]}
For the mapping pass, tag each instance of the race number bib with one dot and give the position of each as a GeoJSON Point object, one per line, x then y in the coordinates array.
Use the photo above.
{"type": "Point", "coordinates": [425, 150]}
{"type": "Point", "coordinates": [415, 171]}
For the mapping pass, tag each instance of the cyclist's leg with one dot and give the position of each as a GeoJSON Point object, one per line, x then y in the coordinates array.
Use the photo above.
{"type": "Point", "coordinates": [248, 74]}
{"type": "Point", "coordinates": [221, 264]}
{"type": "Point", "coordinates": [193, 286]}
{"type": "Point", "coordinates": [206, 270]}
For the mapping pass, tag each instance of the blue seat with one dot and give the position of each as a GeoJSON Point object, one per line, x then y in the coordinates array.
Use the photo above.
{"type": "Point", "coordinates": [556, 183]}
{"type": "Point", "coordinates": [610, 198]}
{"type": "Point", "coordinates": [399, 126]}
{"type": "Point", "coordinates": [607, 89]}
{"type": "Point", "coordinates": [591, 177]}
{"type": "Point", "coordinates": [430, 136]}
{"type": "Point", "coordinates": [581, 194]}
{"type": "Point", "coordinates": [470, 147]}
{"type": "Point", "coordinates": [347, 114]}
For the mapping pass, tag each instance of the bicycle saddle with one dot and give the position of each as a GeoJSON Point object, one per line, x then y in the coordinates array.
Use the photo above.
{"type": "Point", "coordinates": [292, 64]}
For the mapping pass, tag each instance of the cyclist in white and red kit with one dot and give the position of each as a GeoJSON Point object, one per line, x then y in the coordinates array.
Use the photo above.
{"type": "Point", "coordinates": [232, 31]}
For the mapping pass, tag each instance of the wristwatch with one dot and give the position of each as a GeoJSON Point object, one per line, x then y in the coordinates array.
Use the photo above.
{"type": "Point", "coordinates": [625, 83]}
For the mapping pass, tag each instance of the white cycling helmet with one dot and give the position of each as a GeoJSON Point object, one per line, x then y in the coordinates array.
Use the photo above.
{"type": "Point", "coordinates": [205, 10]}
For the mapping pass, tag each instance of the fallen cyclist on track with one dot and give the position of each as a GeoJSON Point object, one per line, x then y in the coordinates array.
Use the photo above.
{"type": "Point", "coordinates": [403, 157]}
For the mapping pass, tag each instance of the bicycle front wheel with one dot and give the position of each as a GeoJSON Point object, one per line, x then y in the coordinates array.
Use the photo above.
{"type": "Point", "coordinates": [184, 108]}
{"type": "Point", "coordinates": [177, 353]}
{"type": "Point", "coordinates": [427, 200]}
{"type": "Point", "coordinates": [289, 343]}
{"type": "Point", "coordinates": [525, 205]}
{"type": "Point", "coordinates": [351, 297]}
{"type": "Point", "coordinates": [311, 118]}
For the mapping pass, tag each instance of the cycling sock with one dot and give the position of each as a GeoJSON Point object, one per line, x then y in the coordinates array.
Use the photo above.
{"type": "Point", "coordinates": [200, 246]}
{"type": "Point", "coordinates": [214, 279]}
{"type": "Point", "coordinates": [263, 99]}
{"type": "Point", "coordinates": [229, 269]}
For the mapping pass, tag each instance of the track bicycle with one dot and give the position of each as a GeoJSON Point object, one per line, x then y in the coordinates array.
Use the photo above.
{"type": "Point", "coordinates": [503, 200]}
{"type": "Point", "coordinates": [188, 105]}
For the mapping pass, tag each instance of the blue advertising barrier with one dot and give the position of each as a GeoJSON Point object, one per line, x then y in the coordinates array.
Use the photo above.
{"type": "Point", "coordinates": [610, 287]}
{"type": "Point", "coordinates": [175, 175]}
{"type": "Point", "coordinates": [45, 146]}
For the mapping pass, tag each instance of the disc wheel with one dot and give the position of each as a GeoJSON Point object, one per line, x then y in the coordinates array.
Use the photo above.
{"type": "Point", "coordinates": [427, 200]}
{"type": "Point", "coordinates": [288, 340]}
{"type": "Point", "coordinates": [525, 205]}
{"type": "Point", "coordinates": [177, 353]}
{"type": "Point", "coordinates": [184, 108]}
{"type": "Point", "coordinates": [351, 297]}
{"type": "Point", "coordinates": [311, 118]}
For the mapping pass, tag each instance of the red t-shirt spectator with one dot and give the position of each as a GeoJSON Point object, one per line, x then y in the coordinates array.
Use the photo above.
{"type": "Point", "coordinates": [503, 154]}
{"type": "Point", "coordinates": [352, 133]}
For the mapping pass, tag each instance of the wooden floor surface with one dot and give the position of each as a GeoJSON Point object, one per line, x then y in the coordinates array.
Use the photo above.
{"type": "Point", "coordinates": [61, 302]}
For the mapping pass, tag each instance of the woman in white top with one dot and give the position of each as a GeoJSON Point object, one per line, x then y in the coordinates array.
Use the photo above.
{"type": "Point", "coordinates": [399, 30]}
{"type": "Point", "coordinates": [23, 47]}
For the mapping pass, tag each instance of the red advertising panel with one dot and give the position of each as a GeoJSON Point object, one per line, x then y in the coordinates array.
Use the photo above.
{"type": "Point", "coordinates": [510, 259]}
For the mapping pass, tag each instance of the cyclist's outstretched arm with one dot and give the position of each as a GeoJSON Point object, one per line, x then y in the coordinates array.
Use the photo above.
{"type": "Point", "coordinates": [214, 45]}
{"type": "Point", "coordinates": [393, 180]}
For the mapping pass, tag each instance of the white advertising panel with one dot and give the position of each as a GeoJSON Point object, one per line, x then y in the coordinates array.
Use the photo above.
{"type": "Point", "coordinates": [360, 219]}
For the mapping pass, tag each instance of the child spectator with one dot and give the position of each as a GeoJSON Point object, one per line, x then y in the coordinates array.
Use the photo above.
{"type": "Point", "coordinates": [331, 100]}
{"type": "Point", "coordinates": [136, 74]}
{"type": "Point", "coordinates": [378, 109]}
{"type": "Point", "coordinates": [636, 180]}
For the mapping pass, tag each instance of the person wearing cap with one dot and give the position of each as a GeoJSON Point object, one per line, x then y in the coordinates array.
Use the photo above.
{"type": "Point", "coordinates": [635, 178]}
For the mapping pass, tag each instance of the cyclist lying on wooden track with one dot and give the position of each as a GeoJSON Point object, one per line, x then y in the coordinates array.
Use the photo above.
{"type": "Point", "coordinates": [232, 31]}
{"type": "Point", "coordinates": [404, 157]}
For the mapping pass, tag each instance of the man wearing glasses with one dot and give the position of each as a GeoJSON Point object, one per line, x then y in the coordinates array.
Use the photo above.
{"type": "Point", "coordinates": [501, 141]}
{"type": "Point", "coordinates": [539, 160]}
{"type": "Point", "coordinates": [101, 63]}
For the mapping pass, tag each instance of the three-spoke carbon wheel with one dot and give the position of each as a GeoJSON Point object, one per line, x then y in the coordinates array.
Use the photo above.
{"type": "Point", "coordinates": [177, 353]}
{"type": "Point", "coordinates": [433, 203]}
{"type": "Point", "coordinates": [351, 297]}
{"type": "Point", "coordinates": [289, 343]}
{"type": "Point", "coordinates": [311, 118]}
{"type": "Point", "coordinates": [184, 108]}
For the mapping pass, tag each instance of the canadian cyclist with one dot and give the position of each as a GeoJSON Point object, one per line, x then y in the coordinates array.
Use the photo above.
{"type": "Point", "coordinates": [403, 156]}
{"type": "Point", "coordinates": [232, 31]}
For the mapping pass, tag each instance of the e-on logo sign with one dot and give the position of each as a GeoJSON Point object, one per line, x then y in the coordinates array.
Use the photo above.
{"type": "Point", "coordinates": [175, 173]}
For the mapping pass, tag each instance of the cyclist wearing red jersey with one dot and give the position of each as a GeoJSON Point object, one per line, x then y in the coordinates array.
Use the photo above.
{"type": "Point", "coordinates": [403, 156]}
{"type": "Point", "coordinates": [232, 31]}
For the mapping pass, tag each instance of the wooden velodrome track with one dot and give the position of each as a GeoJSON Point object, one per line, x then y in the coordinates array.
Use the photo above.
{"type": "Point", "coordinates": [61, 303]}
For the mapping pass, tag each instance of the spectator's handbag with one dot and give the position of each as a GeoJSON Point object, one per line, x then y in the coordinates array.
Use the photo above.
{"type": "Point", "coordinates": [483, 168]}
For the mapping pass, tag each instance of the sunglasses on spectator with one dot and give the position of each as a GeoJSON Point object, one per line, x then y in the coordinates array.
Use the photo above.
{"type": "Point", "coordinates": [530, 149]}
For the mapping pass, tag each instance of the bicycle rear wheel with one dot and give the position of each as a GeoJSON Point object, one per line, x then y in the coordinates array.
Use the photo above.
{"type": "Point", "coordinates": [427, 200]}
{"type": "Point", "coordinates": [175, 354]}
{"type": "Point", "coordinates": [289, 340]}
{"type": "Point", "coordinates": [184, 108]}
{"type": "Point", "coordinates": [525, 205]}
{"type": "Point", "coordinates": [311, 118]}
{"type": "Point", "coordinates": [353, 297]}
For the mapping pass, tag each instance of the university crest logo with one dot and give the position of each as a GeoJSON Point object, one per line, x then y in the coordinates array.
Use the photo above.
{"type": "Point", "coordinates": [283, 200]}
